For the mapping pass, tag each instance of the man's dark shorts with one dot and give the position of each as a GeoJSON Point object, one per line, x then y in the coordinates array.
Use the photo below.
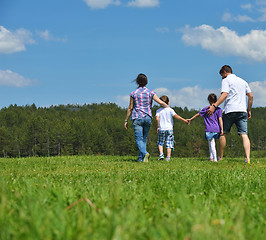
{"type": "Point", "coordinates": [239, 118]}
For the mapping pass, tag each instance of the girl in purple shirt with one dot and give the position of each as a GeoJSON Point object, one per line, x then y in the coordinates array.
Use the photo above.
{"type": "Point", "coordinates": [213, 125]}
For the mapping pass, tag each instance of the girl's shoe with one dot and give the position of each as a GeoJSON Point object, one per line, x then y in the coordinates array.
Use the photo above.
{"type": "Point", "coordinates": [247, 161]}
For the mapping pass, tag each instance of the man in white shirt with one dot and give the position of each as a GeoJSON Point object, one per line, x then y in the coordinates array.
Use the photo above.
{"type": "Point", "coordinates": [233, 93]}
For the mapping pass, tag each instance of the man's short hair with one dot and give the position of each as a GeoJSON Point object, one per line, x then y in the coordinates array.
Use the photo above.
{"type": "Point", "coordinates": [226, 68]}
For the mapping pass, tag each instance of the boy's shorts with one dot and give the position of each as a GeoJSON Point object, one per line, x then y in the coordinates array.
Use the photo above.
{"type": "Point", "coordinates": [239, 118]}
{"type": "Point", "coordinates": [166, 136]}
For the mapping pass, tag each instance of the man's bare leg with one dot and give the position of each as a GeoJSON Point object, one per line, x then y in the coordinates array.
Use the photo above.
{"type": "Point", "coordinates": [222, 143]}
{"type": "Point", "coordinates": [246, 145]}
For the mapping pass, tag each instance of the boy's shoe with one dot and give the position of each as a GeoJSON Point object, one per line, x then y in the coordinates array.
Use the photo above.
{"type": "Point", "coordinates": [161, 156]}
{"type": "Point", "coordinates": [220, 159]}
{"type": "Point", "coordinates": [167, 159]}
{"type": "Point", "coordinates": [146, 158]}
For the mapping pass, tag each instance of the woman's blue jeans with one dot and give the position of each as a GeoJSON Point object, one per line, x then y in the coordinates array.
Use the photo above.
{"type": "Point", "coordinates": [141, 130]}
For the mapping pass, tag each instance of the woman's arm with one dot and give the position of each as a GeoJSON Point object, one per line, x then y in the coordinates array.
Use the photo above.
{"type": "Point", "coordinates": [129, 111]}
{"type": "Point", "coordinates": [158, 100]}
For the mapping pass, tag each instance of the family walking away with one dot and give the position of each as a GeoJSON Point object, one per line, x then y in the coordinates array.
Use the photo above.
{"type": "Point", "coordinates": [217, 125]}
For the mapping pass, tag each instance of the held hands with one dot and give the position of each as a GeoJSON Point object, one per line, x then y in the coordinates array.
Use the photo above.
{"type": "Point", "coordinates": [188, 121]}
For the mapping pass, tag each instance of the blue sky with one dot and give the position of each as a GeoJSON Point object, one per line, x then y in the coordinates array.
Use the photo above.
{"type": "Point", "coordinates": [89, 51]}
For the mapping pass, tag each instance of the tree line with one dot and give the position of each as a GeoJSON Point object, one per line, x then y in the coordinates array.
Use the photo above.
{"type": "Point", "coordinates": [93, 129]}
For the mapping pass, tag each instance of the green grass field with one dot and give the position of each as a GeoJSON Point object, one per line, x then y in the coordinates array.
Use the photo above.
{"type": "Point", "coordinates": [43, 198]}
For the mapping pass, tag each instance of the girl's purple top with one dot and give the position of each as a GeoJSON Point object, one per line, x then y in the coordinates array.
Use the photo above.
{"type": "Point", "coordinates": [212, 121]}
{"type": "Point", "coordinates": [142, 97]}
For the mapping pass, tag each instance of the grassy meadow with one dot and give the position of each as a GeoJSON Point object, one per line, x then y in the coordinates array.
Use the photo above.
{"type": "Point", "coordinates": [113, 197]}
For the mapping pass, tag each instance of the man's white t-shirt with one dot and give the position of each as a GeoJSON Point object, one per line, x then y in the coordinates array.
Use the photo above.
{"type": "Point", "coordinates": [237, 90]}
{"type": "Point", "coordinates": [165, 118]}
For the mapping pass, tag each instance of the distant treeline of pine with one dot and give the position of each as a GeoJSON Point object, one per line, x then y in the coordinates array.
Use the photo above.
{"type": "Point", "coordinates": [97, 129]}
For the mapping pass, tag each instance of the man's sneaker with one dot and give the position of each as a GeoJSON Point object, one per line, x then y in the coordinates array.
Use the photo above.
{"type": "Point", "coordinates": [161, 157]}
{"type": "Point", "coordinates": [146, 158]}
{"type": "Point", "coordinates": [167, 159]}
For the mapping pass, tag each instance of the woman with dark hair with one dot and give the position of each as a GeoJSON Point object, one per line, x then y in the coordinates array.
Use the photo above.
{"type": "Point", "coordinates": [140, 108]}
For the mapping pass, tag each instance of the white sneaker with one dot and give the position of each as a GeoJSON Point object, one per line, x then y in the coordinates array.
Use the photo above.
{"type": "Point", "coordinates": [161, 156]}
{"type": "Point", "coordinates": [167, 159]}
{"type": "Point", "coordinates": [146, 158]}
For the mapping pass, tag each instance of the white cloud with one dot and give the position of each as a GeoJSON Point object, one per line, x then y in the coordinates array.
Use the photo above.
{"type": "Point", "coordinates": [46, 35]}
{"type": "Point", "coordinates": [101, 4]}
{"type": "Point", "coordinates": [11, 42]}
{"type": "Point", "coordinates": [255, 9]}
{"type": "Point", "coordinates": [190, 97]}
{"type": "Point", "coordinates": [162, 29]}
{"type": "Point", "coordinates": [261, 2]}
{"type": "Point", "coordinates": [144, 3]}
{"type": "Point", "coordinates": [259, 89]}
{"type": "Point", "coordinates": [246, 6]}
{"type": "Point", "coordinates": [224, 41]}
{"type": "Point", "coordinates": [196, 97]}
{"type": "Point", "coordinates": [9, 78]}
{"type": "Point", "coordinates": [262, 18]}
{"type": "Point", "coordinates": [228, 17]}
{"type": "Point", "coordinates": [244, 18]}
{"type": "Point", "coordinates": [123, 101]}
